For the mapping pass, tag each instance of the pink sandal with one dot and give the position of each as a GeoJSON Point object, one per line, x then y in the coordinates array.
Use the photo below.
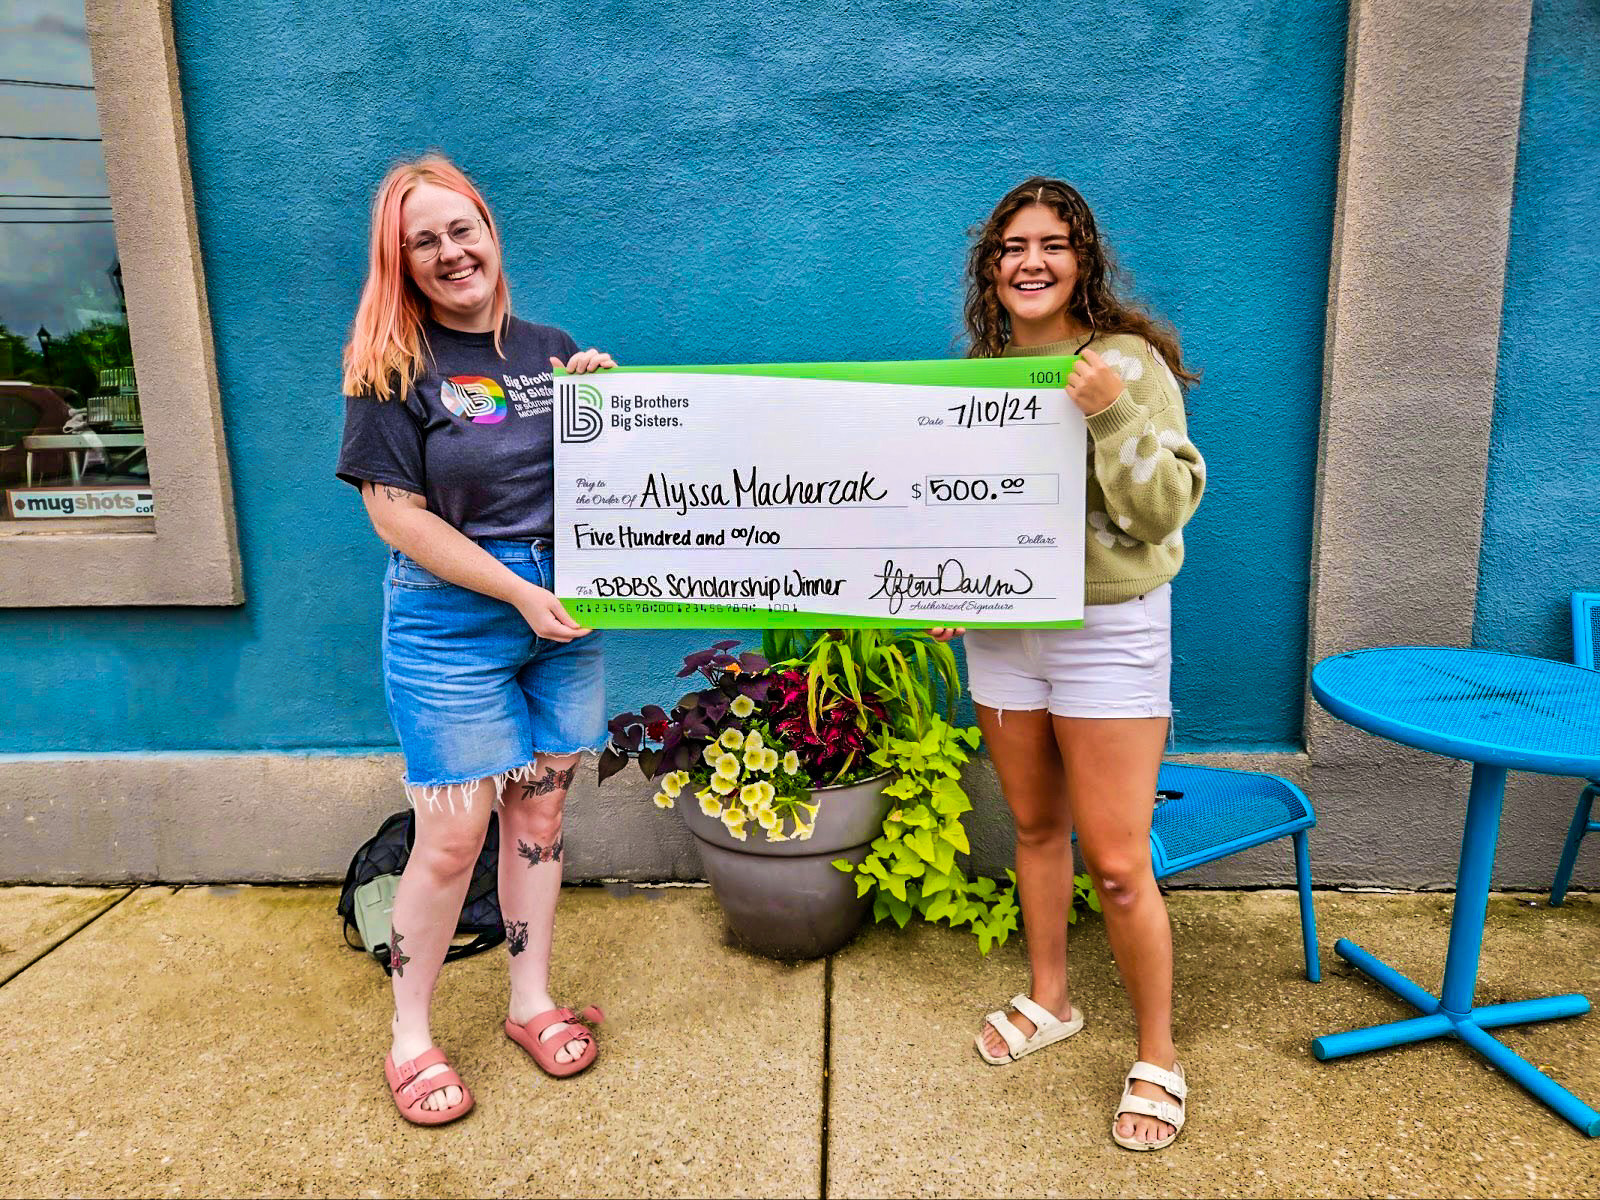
{"type": "Point", "coordinates": [544, 1052]}
{"type": "Point", "coordinates": [409, 1091]}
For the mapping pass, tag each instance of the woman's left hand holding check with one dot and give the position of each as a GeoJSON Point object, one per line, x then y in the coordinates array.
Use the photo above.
{"type": "Point", "coordinates": [585, 361]}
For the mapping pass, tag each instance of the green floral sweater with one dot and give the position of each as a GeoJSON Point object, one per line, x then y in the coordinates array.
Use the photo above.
{"type": "Point", "coordinates": [1145, 476]}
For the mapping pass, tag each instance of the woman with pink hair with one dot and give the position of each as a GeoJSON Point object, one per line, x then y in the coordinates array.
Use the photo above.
{"type": "Point", "coordinates": [494, 690]}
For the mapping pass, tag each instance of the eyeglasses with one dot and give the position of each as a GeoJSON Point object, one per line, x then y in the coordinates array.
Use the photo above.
{"type": "Point", "coordinates": [425, 246]}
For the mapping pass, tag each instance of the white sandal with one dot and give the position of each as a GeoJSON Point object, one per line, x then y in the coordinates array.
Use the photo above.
{"type": "Point", "coordinates": [1162, 1110]}
{"type": "Point", "coordinates": [1048, 1029]}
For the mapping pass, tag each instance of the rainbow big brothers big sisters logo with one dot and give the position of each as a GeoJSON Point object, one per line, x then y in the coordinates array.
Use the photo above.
{"type": "Point", "coordinates": [477, 397]}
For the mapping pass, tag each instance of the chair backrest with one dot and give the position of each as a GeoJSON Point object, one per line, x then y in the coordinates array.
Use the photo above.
{"type": "Point", "coordinates": [1585, 627]}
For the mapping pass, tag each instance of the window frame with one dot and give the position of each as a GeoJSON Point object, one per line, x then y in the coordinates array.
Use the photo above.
{"type": "Point", "coordinates": [188, 552]}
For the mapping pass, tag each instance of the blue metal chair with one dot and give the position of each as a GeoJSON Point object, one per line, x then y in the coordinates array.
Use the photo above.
{"type": "Point", "coordinates": [1206, 813]}
{"type": "Point", "coordinates": [1585, 636]}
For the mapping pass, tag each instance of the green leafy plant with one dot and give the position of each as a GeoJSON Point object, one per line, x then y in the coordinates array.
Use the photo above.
{"type": "Point", "coordinates": [912, 867]}
{"type": "Point", "coordinates": [910, 673]}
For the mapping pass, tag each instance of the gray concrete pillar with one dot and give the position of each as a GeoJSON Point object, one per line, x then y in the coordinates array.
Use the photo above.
{"type": "Point", "coordinates": [1433, 102]}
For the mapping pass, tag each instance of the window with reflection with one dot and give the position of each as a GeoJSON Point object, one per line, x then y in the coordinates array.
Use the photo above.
{"type": "Point", "coordinates": [72, 442]}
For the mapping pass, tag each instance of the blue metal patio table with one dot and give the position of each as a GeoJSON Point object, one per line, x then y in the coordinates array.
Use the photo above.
{"type": "Point", "coordinates": [1499, 712]}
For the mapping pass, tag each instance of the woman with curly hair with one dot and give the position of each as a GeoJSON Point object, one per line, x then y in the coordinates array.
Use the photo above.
{"type": "Point", "coordinates": [1076, 719]}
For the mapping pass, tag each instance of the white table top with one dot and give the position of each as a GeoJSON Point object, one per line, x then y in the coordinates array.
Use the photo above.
{"type": "Point", "coordinates": [82, 441]}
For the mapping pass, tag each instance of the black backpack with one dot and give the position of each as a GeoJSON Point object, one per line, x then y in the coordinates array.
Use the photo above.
{"type": "Point", "coordinates": [368, 891]}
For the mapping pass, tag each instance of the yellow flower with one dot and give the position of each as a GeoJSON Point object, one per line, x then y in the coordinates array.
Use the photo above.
{"type": "Point", "coordinates": [777, 834]}
{"type": "Point", "coordinates": [728, 766]}
{"type": "Point", "coordinates": [733, 815]}
{"type": "Point", "coordinates": [803, 832]}
{"type": "Point", "coordinates": [737, 832]}
{"type": "Point", "coordinates": [770, 762]}
{"type": "Point", "coordinates": [674, 783]}
{"type": "Point", "coordinates": [742, 706]}
{"type": "Point", "coordinates": [791, 763]}
{"type": "Point", "coordinates": [754, 742]}
{"type": "Point", "coordinates": [722, 785]}
{"type": "Point", "coordinates": [768, 792]}
{"type": "Point", "coordinates": [710, 805]}
{"type": "Point", "coordinates": [711, 753]}
{"type": "Point", "coordinates": [754, 757]}
{"type": "Point", "coordinates": [663, 800]}
{"type": "Point", "coordinates": [731, 739]}
{"type": "Point", "coordinates": [768, 820]}
{"type": "Point", "coordinates": [749, 794]}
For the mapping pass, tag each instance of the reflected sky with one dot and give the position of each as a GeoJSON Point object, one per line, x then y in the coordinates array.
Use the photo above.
{"type": "Point", "coordinates": [51, 274]}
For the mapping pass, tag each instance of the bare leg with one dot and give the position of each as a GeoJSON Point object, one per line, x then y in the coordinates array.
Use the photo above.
{"type": "Point", "coordinates": [427, 908]}
{"type": "Point", "coordinates": [1112, 765]}
{"type": "Point", "coordinates": [530, 885]}
{"type": "Point", "coordinates": [1026, 757]}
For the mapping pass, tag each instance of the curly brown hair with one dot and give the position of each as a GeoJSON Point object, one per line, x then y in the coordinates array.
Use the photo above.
{"type": "Point", "coordinates": [1094, 301]}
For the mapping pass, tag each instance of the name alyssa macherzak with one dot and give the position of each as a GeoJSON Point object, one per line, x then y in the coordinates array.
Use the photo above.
{"type": "Point", "coordinates": [750, 491]}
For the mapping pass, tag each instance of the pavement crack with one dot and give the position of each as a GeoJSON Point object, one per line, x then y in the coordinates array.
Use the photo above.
{"type": "Point", "coordinates": [67, 936]}
{"type": "Point", "coordinates": [827, 1069]}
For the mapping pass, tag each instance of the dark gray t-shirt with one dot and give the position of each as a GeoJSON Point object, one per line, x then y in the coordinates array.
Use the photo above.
{"type": "Point", "coordinates": [473, 435]}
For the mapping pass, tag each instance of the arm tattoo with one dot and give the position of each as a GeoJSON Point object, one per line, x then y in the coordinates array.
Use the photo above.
{"type": "Point", "coordinates": [517, 936]}
{"type": "Point", "coordinates": [551, 781]}
{"type": "Point", "coordinates": [536, 854]}
{"type": "Point", "coordinates": [394, 494]}
{"type": "Point", "coordinates": [398, 959]}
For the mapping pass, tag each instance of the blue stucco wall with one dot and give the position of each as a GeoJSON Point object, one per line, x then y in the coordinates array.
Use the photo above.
{"type": "Point", "coordinates": [1541, 535]}
{"type": "Point", "coordinates": [734, 182]}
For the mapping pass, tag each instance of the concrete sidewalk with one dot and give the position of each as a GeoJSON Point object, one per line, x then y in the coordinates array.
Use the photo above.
{"type": "Point", "coordinates": [222, 1041]}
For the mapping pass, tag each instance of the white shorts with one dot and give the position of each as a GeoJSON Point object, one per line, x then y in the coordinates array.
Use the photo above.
{"type": "Point", "coordinates": [1118, 665]}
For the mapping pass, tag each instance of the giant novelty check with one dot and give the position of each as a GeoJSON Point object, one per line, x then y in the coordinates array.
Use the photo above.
{"type": "Point", "coordinates": [818, 495]}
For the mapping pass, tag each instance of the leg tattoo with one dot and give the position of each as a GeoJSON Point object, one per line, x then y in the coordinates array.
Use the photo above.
{"type": "Point", "coordinates": [517, 936]}
{"type": "Point", "coordinates": [536, 854]}
{"type": "Point", "coordinates": [551, 781]}
{"type": "Point", "coordinates": [398, 959]}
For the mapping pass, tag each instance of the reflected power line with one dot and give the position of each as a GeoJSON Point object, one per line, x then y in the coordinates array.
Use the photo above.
{"type": "Point", "coordinates": [50, 83]}
{"type": "Point", "coordinates": [45, 137]}
{"type": "Point", "coordinates": [90, 221]}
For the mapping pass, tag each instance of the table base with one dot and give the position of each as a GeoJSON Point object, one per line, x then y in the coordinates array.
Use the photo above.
{"type": "Point", "coordinates": [1468, 1027]}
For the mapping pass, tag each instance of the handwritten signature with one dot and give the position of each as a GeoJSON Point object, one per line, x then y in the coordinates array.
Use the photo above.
{"type": "Point", "coordinates": [949, 578]}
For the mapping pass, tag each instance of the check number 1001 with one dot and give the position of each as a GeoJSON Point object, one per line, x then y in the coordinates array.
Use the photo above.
{"type": "Point", "coordinates": [988, 489]}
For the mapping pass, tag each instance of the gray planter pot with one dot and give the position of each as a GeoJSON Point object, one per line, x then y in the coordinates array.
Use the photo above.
{"type": "Point", "coordinates": [787, 899]}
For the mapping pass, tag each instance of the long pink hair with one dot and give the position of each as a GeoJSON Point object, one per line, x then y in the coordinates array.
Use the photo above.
{"type": "Point", "coordinates": [384, 353]}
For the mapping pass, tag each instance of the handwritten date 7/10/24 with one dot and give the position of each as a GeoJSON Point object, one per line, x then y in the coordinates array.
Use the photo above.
{"type": "Point", "coordinates": [1008, 410]}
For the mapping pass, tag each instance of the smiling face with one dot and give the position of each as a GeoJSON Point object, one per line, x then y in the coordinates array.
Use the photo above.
{"type": "Point", "coordinates": [1036, 276]}
{"type": "Point", "coordinates": [459, 282]}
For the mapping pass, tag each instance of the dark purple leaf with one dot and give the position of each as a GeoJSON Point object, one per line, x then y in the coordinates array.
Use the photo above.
{"type": "Point", "coordinates": [751, 661]}
{"type": "Point", "coordinates": [727, 645]}
{"type": "Point", "coordinates": [651, 713]}
{"type": "Point", "coordinates": [621, 721]}
{"type": "Point", "coordinates": [610, 763]}
{"type": "Point", "coordinates": [649, 761]}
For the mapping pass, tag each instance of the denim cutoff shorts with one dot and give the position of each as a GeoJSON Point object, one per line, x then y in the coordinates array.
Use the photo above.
{"type": "Point", "coordinates": [473, 692]}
